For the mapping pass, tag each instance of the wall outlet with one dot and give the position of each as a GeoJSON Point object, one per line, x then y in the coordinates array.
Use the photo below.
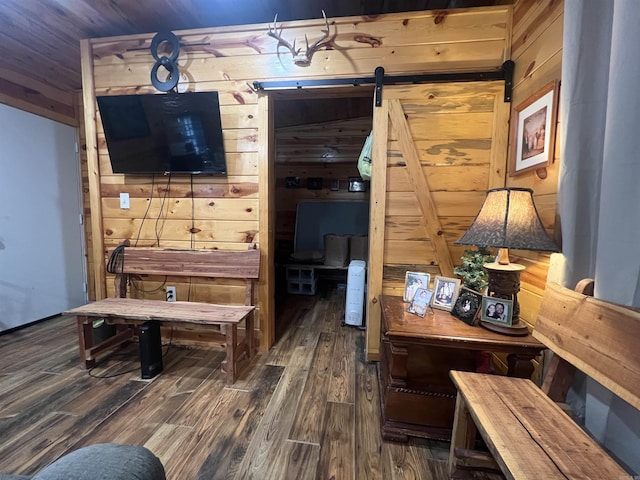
{"type": "Point", "coordinates": [171, 294]}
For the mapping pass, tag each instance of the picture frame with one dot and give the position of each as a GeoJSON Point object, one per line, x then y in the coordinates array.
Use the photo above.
{"type": "Point", "coordinates": [292, 182]}
{"type": "Point", "coordinates": [445, 292]}
{"type": "Point", "coordinates": [467, 306]}
{"type": "Point", "coordinates": [421, 302]}
{"type": "Point", "coordinates": [357, 184]}
{"type": "Point", "coordinates": [491, 311]}
{"type": "Point", "coordinates": [314, 183]}
{"type": "Point", "coordinates": [414, 281]}
{"type": "Point", "coordinates": [534, 130]}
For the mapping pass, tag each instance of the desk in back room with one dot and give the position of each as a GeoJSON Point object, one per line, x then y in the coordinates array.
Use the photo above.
{"type": "Point", "coordinates": [416, 394]}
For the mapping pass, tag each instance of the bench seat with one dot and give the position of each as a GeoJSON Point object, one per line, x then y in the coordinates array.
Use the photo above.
{"type": "Point", "coordinates": [527, 433]}
{"type": "Point", "coordinates": [144, 310]}
{"type": "Point", "coordinates": [130, 264]}
{"type": "Point", "coordinates": [132, 312]}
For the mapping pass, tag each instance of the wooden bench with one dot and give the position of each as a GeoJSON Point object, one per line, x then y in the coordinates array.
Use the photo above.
{"type": "Point", "coordinates": [128, 313]}
{"type": "Point", "coordinates": [528, 435]}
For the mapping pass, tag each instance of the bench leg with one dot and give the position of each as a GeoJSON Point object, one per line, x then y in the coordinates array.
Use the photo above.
{"type": "Point", "coordinates": [464, 433]}
{"type": "Point", "coordinates": [231, 366]}
{"type": "Point", "coordinates": [249, 335]}
{"type": "Point", "coordinates": [85, 341]}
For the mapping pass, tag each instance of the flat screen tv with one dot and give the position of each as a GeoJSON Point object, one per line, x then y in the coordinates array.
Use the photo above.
{"type": "Point", "coordinates": [164, 133]}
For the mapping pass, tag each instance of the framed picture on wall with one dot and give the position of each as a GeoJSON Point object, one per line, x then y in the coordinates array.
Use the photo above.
{"type": "Point", "coordinates": [357, 184]}
{"type": "Point", "coordinates": [534, 130]}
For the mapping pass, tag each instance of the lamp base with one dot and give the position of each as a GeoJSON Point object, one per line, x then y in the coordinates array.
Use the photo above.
{"type": "Point", "coordinates": [517, 330]}
{"type": "Point", "coordinates": [504, 282]}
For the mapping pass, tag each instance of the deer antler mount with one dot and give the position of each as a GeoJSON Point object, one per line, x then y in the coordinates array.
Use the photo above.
{"type": "Point", "coordinates": [300, 58]}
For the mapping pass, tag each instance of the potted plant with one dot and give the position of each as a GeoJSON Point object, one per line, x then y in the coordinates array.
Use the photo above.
{"type": "Point", "coordinates": [472, 271]}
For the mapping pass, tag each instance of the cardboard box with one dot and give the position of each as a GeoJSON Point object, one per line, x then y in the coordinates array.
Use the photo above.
{"type": "Point", "coordinates": [336, 250]}
{"type": "Point", "coordinates": [358, 247]}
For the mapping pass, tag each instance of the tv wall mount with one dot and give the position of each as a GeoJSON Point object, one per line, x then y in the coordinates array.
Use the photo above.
{"type": "Point", "coordinates": [169, 63]}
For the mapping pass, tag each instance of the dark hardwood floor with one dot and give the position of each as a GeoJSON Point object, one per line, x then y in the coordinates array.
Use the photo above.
{"type": "Point", "coordinates": [308, 408]}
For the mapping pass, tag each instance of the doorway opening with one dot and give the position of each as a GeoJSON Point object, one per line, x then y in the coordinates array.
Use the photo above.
{"type": "Point", "coordinates": [321, 222]}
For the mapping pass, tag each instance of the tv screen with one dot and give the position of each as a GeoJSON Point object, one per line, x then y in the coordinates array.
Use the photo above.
{"type": "Point", "coordinates": [164, 133]}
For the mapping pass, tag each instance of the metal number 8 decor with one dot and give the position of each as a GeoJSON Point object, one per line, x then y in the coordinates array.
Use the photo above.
{"type": "Point", "coordinates": [169, 63]}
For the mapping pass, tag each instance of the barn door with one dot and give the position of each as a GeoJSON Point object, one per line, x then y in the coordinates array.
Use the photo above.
{"type": "Point", "coordinates": [437, 148]}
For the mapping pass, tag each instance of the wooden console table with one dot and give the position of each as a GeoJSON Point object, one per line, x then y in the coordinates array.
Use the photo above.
{"type": "Point", "coordinates": [416, 394]}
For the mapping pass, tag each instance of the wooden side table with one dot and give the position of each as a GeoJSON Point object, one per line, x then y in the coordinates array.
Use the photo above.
{"type": "Point", "coordinates": [416, 394]}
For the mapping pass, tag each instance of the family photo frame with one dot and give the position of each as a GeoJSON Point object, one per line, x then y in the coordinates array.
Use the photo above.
{"type": "Point", "coordinates": [467, 306]}
{"type": "Point", "coordinates": [445, 292]}
{"type": "Point", "coordinates": [534, 130]}
{"type": "Point", "coordinates": [498, 311]}
{"type": "Point", "coordinates": [414, 281]}
{"type": "Point", "coordinates": [421, 302]}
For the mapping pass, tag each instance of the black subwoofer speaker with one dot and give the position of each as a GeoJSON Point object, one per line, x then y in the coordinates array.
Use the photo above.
{"type": "Point", "coordinates": [150, 349]}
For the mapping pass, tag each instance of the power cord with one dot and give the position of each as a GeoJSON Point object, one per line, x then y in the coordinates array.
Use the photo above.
{"type": "Point", "coordinates": [116, 260]}
{"type": "Point", "coordinates": [153, 187]}
{"type": "Point", "coordinates": [116, 374]}
{"type": "Point", "coordinates": [193, 214]}
{"type": "Point", "coordinates": [128, 356]}
{"type": "Point", "coordinates": [192, 231]}
{"type": "Point", "coordinates": [142, 290]}
{"type": "Point", "coordinates": [164, 198]}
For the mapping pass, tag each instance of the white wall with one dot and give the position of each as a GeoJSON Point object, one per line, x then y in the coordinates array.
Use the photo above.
{"type": "Point", "coordinates": [41, 243]}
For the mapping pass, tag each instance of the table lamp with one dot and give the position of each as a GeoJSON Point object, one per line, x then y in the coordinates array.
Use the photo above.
{"type": "Point", "coordinates": [508, 219]}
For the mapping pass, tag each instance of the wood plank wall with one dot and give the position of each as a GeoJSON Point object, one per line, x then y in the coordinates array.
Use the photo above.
{"type": "Point", "coordinates": [327, 150]}
{"type": "Point", "coordinates": [537, 52]}
{"type": "Point", "coordinates": [446, 145]}
{"type": "Point", "coordinates": [456, 130]}
{"type": "Point", "coordinates": [229, 59]}
{"type": "Point", "coordinates": [30, 95]}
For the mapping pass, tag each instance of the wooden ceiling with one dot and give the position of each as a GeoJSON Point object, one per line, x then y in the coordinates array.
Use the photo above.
{"type": "Point", "coordinates": [40, 38]}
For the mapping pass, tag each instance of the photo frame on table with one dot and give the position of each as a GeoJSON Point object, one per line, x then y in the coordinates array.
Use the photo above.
{"type": "Point", "coordinates": [420, 303]}
{"type": "Point", "coordinates": [467, 306]}
{"type": "Point", "coordinates": [445, 292]}
{"type": "Point", "coordinates": [413, 281]}
{"type": "Point", "coordinates": [534, 130]}
{"type": "Point", "coordinates": [497, 310]}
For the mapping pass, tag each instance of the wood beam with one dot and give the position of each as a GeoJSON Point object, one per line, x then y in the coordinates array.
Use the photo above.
{"type": "Point", "coordinates": [266, 222]}
{"type": "Point", "coordinates": [421, 188]}
{"type": "Point", "coordinates": [93, 168]}
{"type": "Point", "coordinates": [377, 215]}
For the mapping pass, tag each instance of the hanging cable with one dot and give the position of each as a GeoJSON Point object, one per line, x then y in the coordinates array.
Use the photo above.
{"type": "Point", "coordinates": [193, 229]}
{"type": "Point", "coordinates": [142, 290]}
{"type": "Point", "coordinates": [193, 221]}
{"type": "Point", "coordinates": [127, 356]}
{"type": "Point", "coordinates": [164, 198]}
{"type": "Point", "coordinates": [153, 183]}
{"type": "Point", "coordinates": [116, 260]}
